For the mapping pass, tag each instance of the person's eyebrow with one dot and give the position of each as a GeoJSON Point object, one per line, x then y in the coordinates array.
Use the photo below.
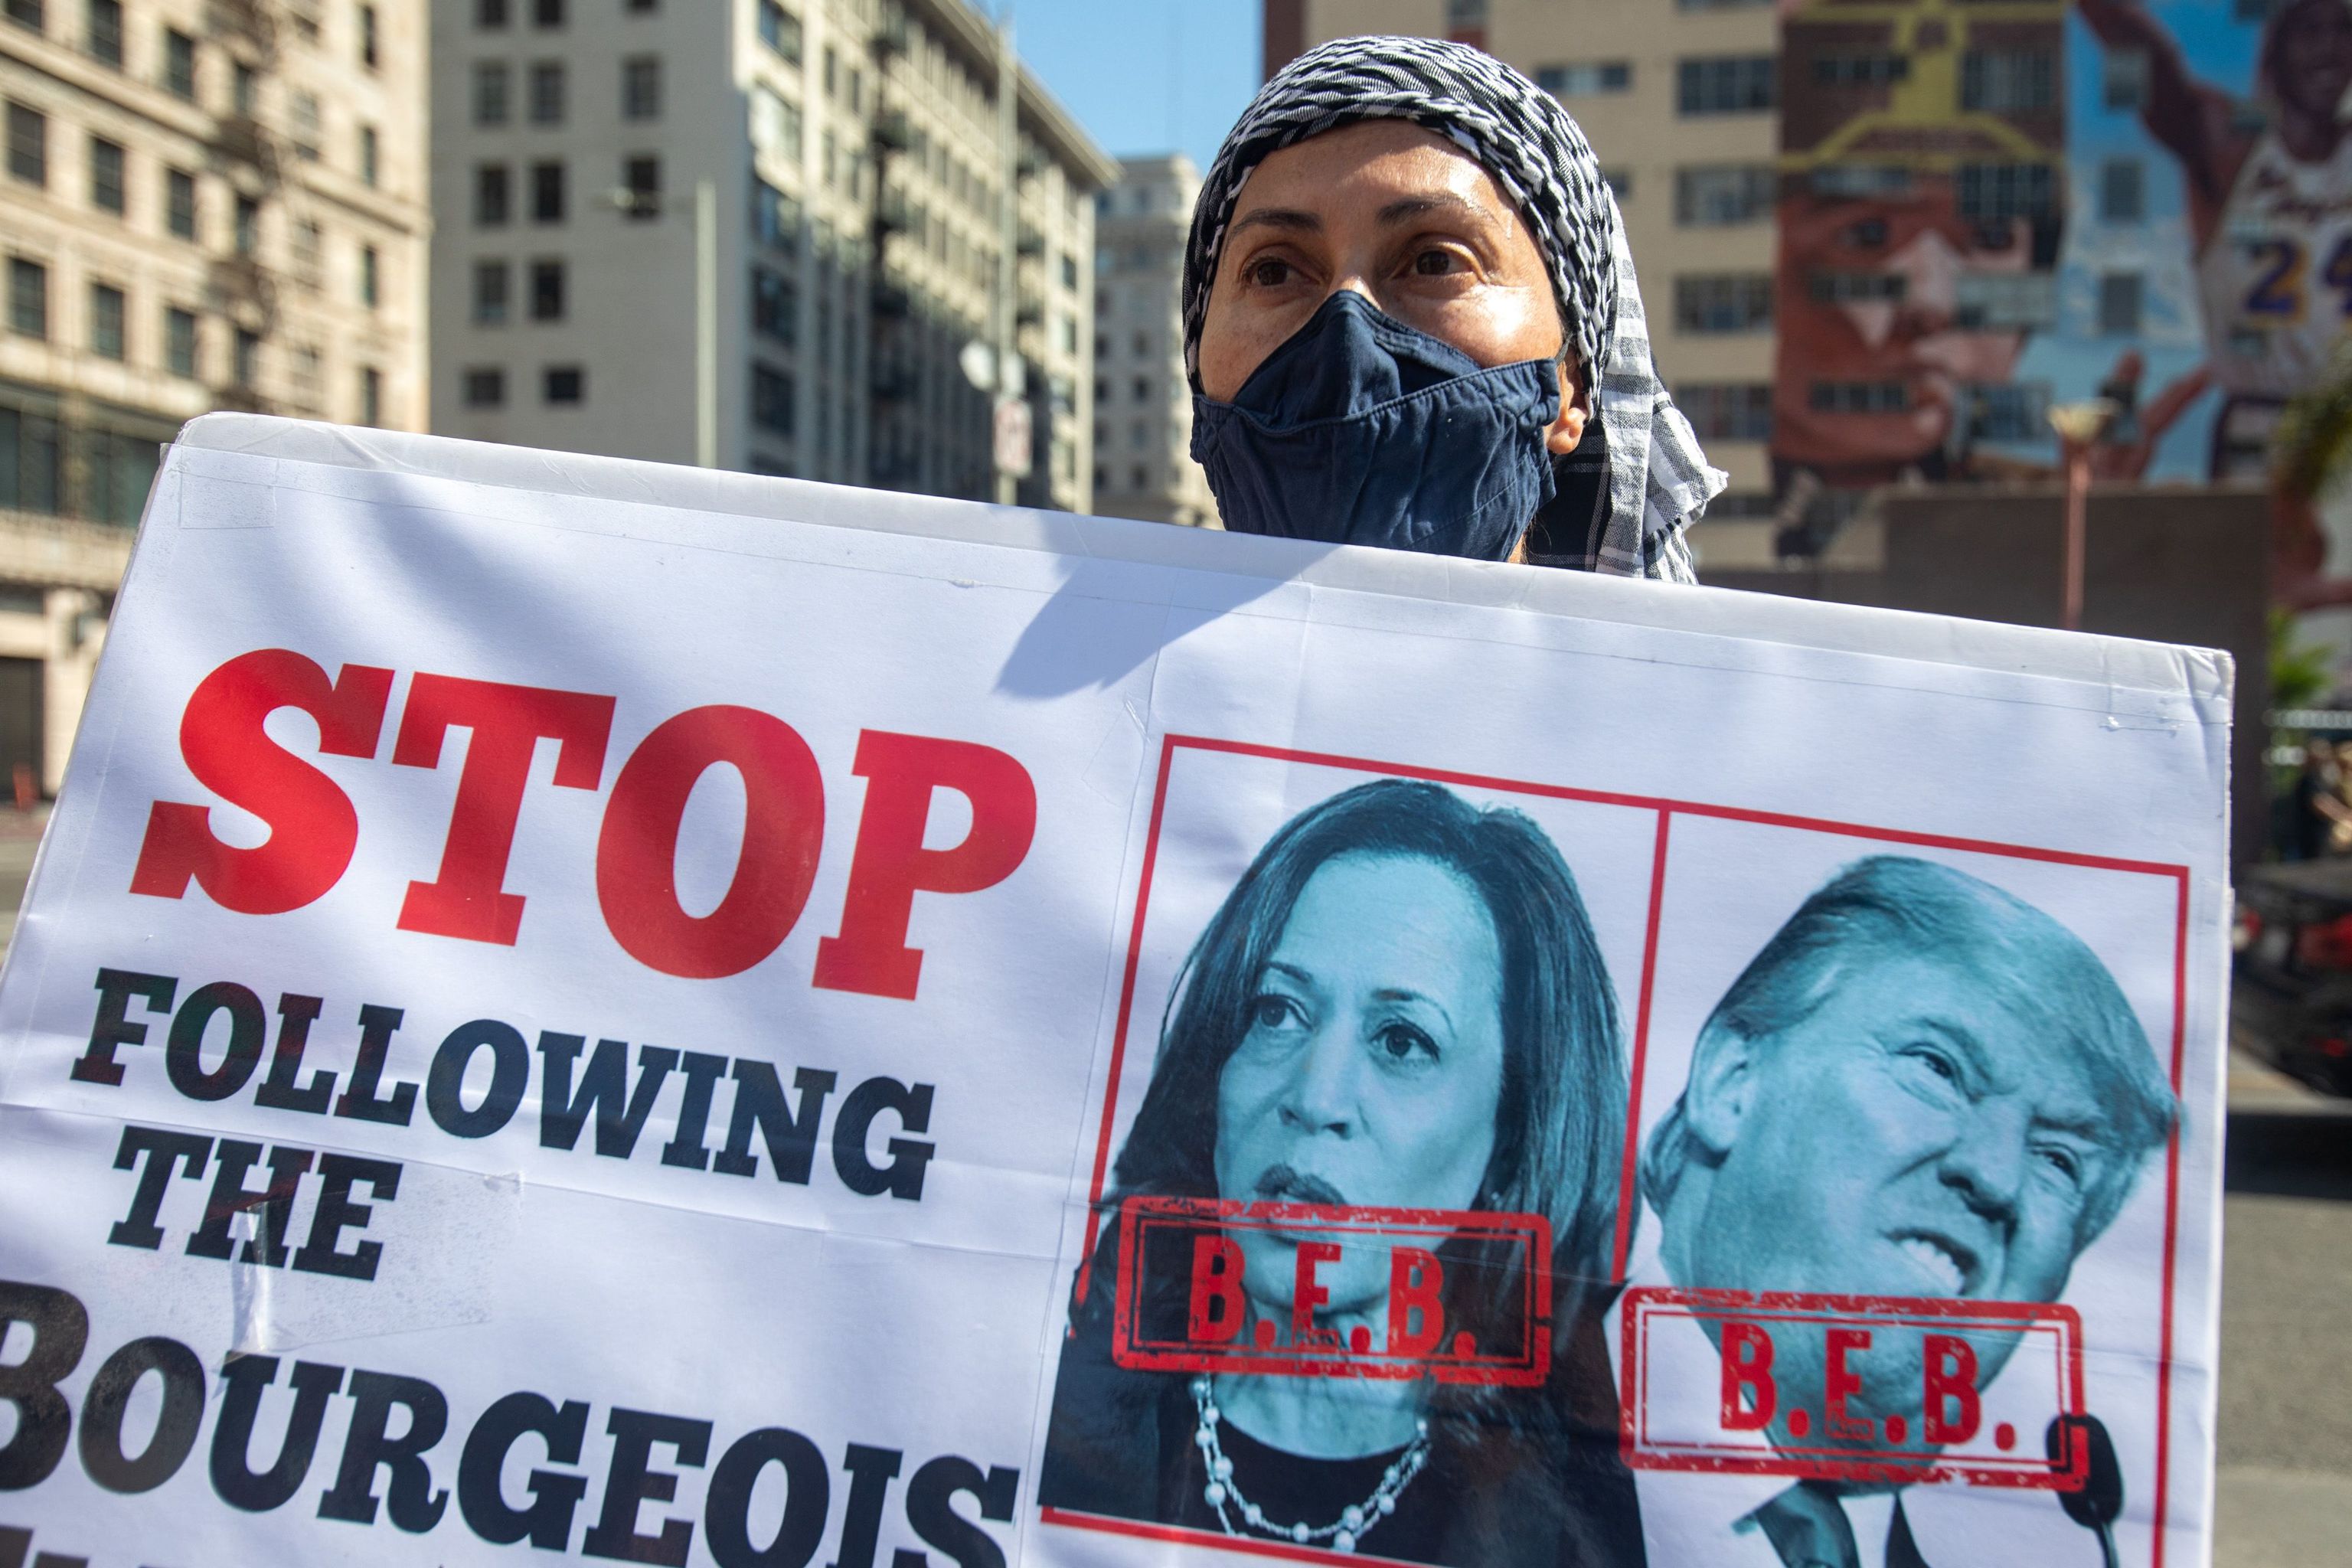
{"type": "Point", "coordinates": [1291, 218]}
{"type": "Point", "coordinates": [1407, 208]}
{"type": "Point", "coordinates": [1402, 993]}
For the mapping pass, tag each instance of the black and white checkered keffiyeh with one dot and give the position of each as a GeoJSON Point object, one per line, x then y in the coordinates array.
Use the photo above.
{"type": "Point", "coordinates": [1659, 482]}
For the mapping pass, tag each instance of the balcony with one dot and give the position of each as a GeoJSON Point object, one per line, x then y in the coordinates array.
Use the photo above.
{"type": "Point", "coordinates": [890, 213]}
{"type": "Point", "coordinates": [241, 139]}
{"type": "Point", "coordinates": [891, 131]}
{"type": "Point", "coordinates": [1032, 242]}
{"type": "Point", "coordinates": [240, 287]}
{"type": "Point", "coordinates": [892, 302]}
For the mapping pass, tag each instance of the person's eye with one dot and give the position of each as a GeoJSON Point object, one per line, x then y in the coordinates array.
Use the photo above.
{"type": "Point", "coordinates": [1268, 272]}
{"type": "Point", "coordinates": [1436, 262]}
{"type": "Point", "coordinates": [1935, 1060]}
{"type": "Point", "coordinates": [1401, 1042]}
{"type": "Point", "coordinates": [2064, 1161]}
{"type": "Point", "coordinates": [1273, 1010]}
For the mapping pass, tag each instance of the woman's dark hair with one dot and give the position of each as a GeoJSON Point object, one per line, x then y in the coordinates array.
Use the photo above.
{"type": "Point", "coordinates": [1560, 1118]}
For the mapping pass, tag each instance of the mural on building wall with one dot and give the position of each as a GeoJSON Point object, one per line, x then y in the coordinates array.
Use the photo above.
{"type": "Point", "coordinates": [1987, 208]}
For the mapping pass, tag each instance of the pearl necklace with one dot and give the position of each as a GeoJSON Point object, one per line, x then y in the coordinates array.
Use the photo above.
{"type": "Point", "coordinates": [1355, 1520]}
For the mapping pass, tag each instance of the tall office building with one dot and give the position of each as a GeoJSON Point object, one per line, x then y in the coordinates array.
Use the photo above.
{"type": "Point", "coordinates": [807, 316]}
{"type": "Point", "coordinates": [1678, 99]}
{"type": "Point", "coordinates": [1143, 404]}
{"type": "Point", "coordinates": [211, 204]}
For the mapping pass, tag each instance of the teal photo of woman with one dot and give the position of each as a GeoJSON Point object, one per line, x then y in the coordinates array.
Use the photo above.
{"type": "Point", "coordinates": [1400, 1005]}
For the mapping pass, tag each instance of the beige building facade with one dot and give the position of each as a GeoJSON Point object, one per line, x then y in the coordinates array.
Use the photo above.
{"type": "Point", "coordinates": [1678, 99]}
{"type": "Point", "coordinates": [1143, 402]}
{"type": "Point", "coordinates": [813, 322]}
{"type": "Point", "coordinates": [209, 203]}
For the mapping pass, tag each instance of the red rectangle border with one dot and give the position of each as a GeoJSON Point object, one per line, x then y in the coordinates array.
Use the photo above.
{"type": "Point", "coordinates": [1667, 809]}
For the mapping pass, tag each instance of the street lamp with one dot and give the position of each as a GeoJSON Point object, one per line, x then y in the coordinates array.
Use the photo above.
{"type": "Point", "coordinates": [2078, 424]}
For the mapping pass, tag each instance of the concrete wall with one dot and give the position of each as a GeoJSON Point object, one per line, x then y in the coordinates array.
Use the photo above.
{"type": "Point", "coordinates": [2176, 565]}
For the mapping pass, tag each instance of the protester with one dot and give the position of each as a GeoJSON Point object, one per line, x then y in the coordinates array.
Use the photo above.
{"type": "Point", "coordinates": [1921, 1087]}
{"type": "Point", "coordinates": [1401, 1005]}
{"type": "Point", "coordinates": [1411, 320]}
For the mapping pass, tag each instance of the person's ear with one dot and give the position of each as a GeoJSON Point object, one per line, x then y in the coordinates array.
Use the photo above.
{"type": "Point", "coordinates": [1722, 1084]}
{"type": "Point", "coordinates": [1575, 408]}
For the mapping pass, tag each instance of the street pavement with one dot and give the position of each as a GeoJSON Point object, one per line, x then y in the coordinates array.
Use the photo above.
{"type": "Point", "coordinates": [2285, 1427]}
{"type": "Point", "coordinates": [2286, 1430]}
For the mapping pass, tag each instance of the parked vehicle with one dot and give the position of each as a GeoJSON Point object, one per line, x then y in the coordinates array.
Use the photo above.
{"type": "Point", "coordinates": [2294, 945]}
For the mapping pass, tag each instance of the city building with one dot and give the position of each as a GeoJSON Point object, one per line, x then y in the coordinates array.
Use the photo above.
{"type": "Point", "coordinates": [211, 204]}
{"type": "Point", "coordinates": [756, 234]}
{"type": "Point", "coordinates": [1679, 99]}
{"type": "Point", "coordinates": [1143, 404]}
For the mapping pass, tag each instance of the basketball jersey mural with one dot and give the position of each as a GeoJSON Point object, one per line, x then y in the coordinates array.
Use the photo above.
{"type": "Point", "coordinates": [2149, 201]}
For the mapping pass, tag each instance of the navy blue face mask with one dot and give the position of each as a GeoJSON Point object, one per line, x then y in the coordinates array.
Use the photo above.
{"type": "Point", "coordinates": [1360, 430]}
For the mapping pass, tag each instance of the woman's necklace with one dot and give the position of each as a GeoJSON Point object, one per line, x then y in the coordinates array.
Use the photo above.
{"type": "Point", "coordinates": [1224, 1493]}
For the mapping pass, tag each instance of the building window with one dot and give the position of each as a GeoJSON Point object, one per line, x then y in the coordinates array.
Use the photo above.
{"type": "Point", "coordinates": [306, 380]}
{"type": "Point", "coordinates": [490, 16]}
{"type": "Point", "coordinates": [243, 87]}
{"type": "Point", "coordinates": [1860, 69]}
{"type": "Point", "coordinates": [771, 400]}
{"type": "Point", "coordinates": [1719, 195]}
{"type": "Point", "coordinates": [775, 216]}
{"type": "Point", "coordinates": [547, 13]}
{"type": "Point", "coordinates": [1069, 272]}
{"type": "Point", "coordinates": [2123, 194]}
{"type": "Point", "coordinates": [1994, 192]}
{"type": "Point", "coordinates": [775, 306]}
{"type": "Point", "coordinates": [2005, 301]}
{"type": "Point", "coordinates": [642, 7]}
{"type": "Point", "coordinates": [309, 247]}
{"type": "Point", "coordinates": [1727, 410]}
{"type": "Point", "coordinates": [775, 124]}
{"type": "Point", "coordinates": [1724, 302]}
{"type": "Point", "coordinates": [2122, 78]}
{"type": "Point", "coordinates": [2008, 411]}
{"type": "Point", "coordinates": [1845, 288]}
{"type": "Point", "coordinates": [247, 229]}
{"type": "Point", "coordinates": [641, 176]}
{"type": "Point", "coordinates": [179, 63]}
{"type": "Point", "coordinates": [1725, 84]}
{"type": "Point", "coordinates": [370, 148]}
{"type": "Point", "coordinates": [1857, 397]}
{"type": "Point", "coordinates": [547, 92]}
{"type": "Point", "coordinates": [491, 194]}
{"type": "Point", "coordinates": [492, 82]}
{"type": "Point", "coordinates": [490, 280]}
{"type": "Point", "coordinates": [104, 32]}
{"type": "Point", "coordinates": [641, 87]}
{"type": "Point", "coordinates": [180, 203]}
{"type": "Point", "coordinates": [781, 31]}
{"type": "Point", "coordinates": [245, 358]}
{"type": "Point", "coordinates": [303, 113]}
{"type": "Point", "coordinates": [106, 312]}
{"type": "Point", "coordinates": [832, 71]}
{"type": "Point", "coordinates": [547, 291]}
{"type": "Point", "coordinates": [485, 388]}
{"type": "Point", "coordinates": [30, 465]}
{"type": "Point", "coordinates": [28, 298]}
{"type": "Point", "coordinates": [563, 384]}
{"type": "Point", "coordinates": [106, 192]}
{"type": "Point", "coordinates": [371, 276]}
{"type": "Point", "coordinates": [368, 38]}
{"type": "Point", "coordinates": [26, 13]}
{"type": "Point", "coordinates": [1142, 389]}
{"type": "Point", "coordinates": [179, 342]}
{"type": "Point", "coordinates": [370, 396]}
{"type": "Point", "coordinates": [2008, 81]}
{"type": "Point", "coordinates": [2119, 304]}
{"type": "Point", "coordinates": [28, 145]}
{"type": "Point", "coordinates": [547, 192]}
{"type": "Point", "coordinates": [1585, 79]}
{"type": "Point", "coordinates": [1620, 182]}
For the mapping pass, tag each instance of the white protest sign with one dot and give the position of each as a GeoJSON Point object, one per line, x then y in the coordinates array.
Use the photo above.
{"type": "Point", "coordinates": [578, 1007]}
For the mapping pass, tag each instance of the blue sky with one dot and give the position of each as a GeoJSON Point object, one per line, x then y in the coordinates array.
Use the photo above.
{"type": "Point", "coordinates": [1144, 75]}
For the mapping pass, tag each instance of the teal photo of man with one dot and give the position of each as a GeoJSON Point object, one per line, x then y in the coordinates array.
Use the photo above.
{"type": "Point", "coordinates": [1921, 1087]}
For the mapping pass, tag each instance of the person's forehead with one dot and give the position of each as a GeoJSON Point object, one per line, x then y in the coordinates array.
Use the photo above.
{"type": "Point", "coordinates": [1397, 920]}
{"type": "Point", "coordinates": [1367, 165]}
{"type": "Point", "coordinates": [2021, 1044]}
